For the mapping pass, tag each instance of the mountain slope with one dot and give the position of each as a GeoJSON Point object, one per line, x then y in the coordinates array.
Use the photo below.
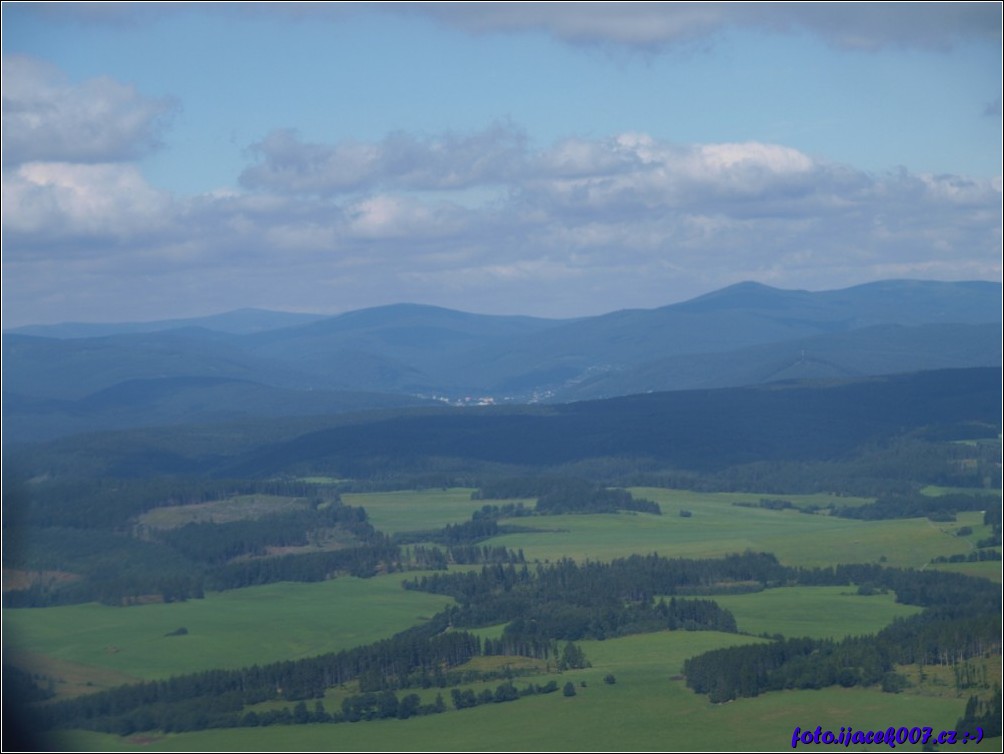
{"type": "Point", "coordinates": [742, 335]}
{"type": "Point", "coordinates": [240, 321]}
{"type": "Point", "coordinates": [701, 430]}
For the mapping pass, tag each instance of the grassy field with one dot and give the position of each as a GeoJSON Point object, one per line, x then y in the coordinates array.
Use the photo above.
{"type": "Point", "coordinates": [717, 527]}
{"type": "Point", "coordinates": [645, 710]}
{"type": "Point", "coordinates": [824, 612]}
{"type": "Point", "coordinates": [237, 508]}
{"type": "Point", "coordinates": [415, 510]}
{"type": "Point", "coordinates": [229, 629]}
{"type": "Point", "coordinates": [90, 647]}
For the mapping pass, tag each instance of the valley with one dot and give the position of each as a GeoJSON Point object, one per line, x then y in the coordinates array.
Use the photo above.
{"type": "Point", "coordinates": [191, 565]}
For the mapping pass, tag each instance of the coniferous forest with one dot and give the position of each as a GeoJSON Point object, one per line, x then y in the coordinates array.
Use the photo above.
{"type": "Point", "coordinates": [516, 621]}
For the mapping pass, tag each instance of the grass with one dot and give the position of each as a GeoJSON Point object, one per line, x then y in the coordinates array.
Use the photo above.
{"type": "Point", "coordinates": [645, 710]}
{"type": "Point", "coordinates": [823, 612]}
{"type": "Point", "coordinates": [648, 708]}
{"type": "Point", "coordinates": [238, 628]}
{"type": "Point", "coordinates": [235, 508]}
{"type": "Point", "coordinates": [415, 510]}
{"type": "Point", "coordinates": [71, 678]}
{"type": "Point", "coordinates": [717, 527]}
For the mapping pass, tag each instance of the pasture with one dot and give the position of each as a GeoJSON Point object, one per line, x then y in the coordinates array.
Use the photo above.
{"type": "Point", "coordinates": [821, 612]}
{"type": "Point", "coordinates": [716, 527]}
{"type": "Point", "coordinates": [416, 510]}
{"type": "Point", "coordinates": [646, 709]}
{"type": "Point", "coordinates": [256, 625]}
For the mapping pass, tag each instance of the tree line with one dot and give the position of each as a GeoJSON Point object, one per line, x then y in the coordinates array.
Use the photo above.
{"type": "Point", "coordinates": [566, 601]}
{"type": "Point", "coordinates": [917, 505]}
{"type": "Point", "coordinates": [556, 495]}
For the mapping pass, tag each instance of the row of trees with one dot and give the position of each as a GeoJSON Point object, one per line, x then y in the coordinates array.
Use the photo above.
{"type": "Point", "coordinates": [568, 601]}
{"type": "Point", "coordinates": [218, 543]}
{"type": "Point", "coordinates": [981, 714]}
{"type": "Point", "coordinates": [936, 636]}
{"type": "Point", "coordinates": [435, 558]}
{"type": "Point", "coordinates": [961, 620]}
{"type": "Point", "coordinates": [563, 495]}
{"type": "Point", "coordinates": [916, 505]}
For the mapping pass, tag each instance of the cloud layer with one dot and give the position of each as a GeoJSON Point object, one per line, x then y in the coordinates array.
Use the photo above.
{"type": "Point", "coordinates": [480, 220]}
{"type": "Point", "coordinates": [48, 118]}
{"type": "Point", "coordinates": [483, 220]}
{"type": "Point", "coordinates": [654, 27]}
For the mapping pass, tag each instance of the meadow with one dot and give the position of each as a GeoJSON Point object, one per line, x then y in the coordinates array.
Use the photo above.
{"type": "Point", "coordinates": [293, 620]}
{"type": "Point", "coordinates": [820, 612]}
{"type": "Point", "coordinates": [716, 527]}
{"type": "Point", "coordinates": [256, 625]}
{"type": "Point", "coordinates": [416, 510]}
{"type": "Point", "coordinates": [648, 708]}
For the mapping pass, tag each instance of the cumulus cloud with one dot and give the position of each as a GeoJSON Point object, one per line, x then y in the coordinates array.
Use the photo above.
{"type": "Point", "coordinates": [47, 200]}
{"type": "Point", "coordinates": [46, 117]}
{"type": "Point", "coordinates": [635, 167]}
{"type": "Point", "coordinates": [625, 218]}
{"type": "Point", "coordinates": [286, 164]}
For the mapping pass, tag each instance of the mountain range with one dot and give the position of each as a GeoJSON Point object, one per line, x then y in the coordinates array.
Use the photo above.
{"type": "Point", "coordinates": [65, 379]}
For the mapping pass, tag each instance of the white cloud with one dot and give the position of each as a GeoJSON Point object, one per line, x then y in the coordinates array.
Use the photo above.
{"type": "Point", "coordinates": [45, 200]}
{"type": "Point", "coordinates": [402, 161]}
{"type": "Point", "coordinates": [580, 226]}
{"type": "Point", "coordinates": [48, 118]}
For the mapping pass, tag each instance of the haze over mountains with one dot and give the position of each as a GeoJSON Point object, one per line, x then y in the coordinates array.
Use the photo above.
{"type": "Point", "coordinates": [64, 379]}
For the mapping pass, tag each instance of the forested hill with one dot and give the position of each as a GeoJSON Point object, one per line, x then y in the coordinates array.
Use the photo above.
{"type": "Point", "coordinates": [60, 381]}
{"type": "Point", "coordinates": [702, 430]}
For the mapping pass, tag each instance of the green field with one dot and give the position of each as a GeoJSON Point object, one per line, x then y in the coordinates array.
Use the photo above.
{"type": "Point", "coordinates": [717, 527]}
{"type": "Point", "coordinates": [243, 627]}
{"type": "Point", "coordinates": [824, 612]}
{"type": "Point", "coordinates": [646, 709]}
{"type": "Point", "coordinates": [416, 510]}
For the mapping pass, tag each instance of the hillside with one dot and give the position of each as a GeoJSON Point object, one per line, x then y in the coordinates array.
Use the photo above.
{"type": "Point", "coordinates": [746, 334]}
{"type": "Point", "coordinates": [700, 430]}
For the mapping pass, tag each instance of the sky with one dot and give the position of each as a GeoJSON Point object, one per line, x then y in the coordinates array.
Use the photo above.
{"type": "Point", "coordinates": [557, 160]}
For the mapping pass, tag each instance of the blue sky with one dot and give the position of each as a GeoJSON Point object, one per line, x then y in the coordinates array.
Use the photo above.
{"type": "Point", "coordinates": [558, 160]}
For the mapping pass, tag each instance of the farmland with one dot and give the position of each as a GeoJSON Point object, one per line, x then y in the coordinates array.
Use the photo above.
{"type": "Point", "coordinates": [226, 629]}
{"type": "Point", "coordinates": [315, 606]}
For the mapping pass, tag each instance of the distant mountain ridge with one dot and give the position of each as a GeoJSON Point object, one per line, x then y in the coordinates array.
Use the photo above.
{"type": "Point", "coordinates": [239, 321]}
{"type": "Point", "coordinates": [746, 334]}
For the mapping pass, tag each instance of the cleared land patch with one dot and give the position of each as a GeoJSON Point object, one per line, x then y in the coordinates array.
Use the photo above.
{"type": "Point", "coordinates": [256, 625]}
{"type": "Point", "coordinates": [646, 709]}
{"type": "Point", "coordinates": [416, 510]}
{"type": "Point", "coordinates": [237, 508]}
{"type": "Point", "coordinates": [822, 612]}
{"type": "Point", "coordinates": [716, 527]}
